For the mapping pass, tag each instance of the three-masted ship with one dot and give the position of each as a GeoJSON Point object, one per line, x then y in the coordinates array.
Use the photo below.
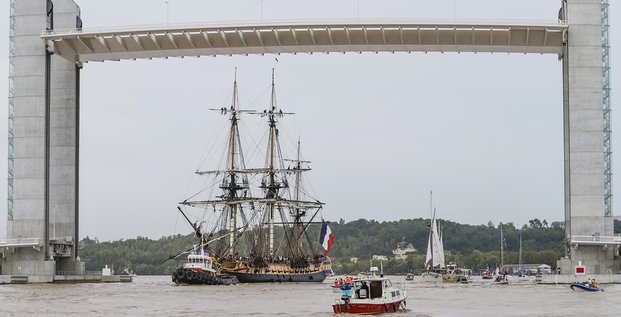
{"type": "Point", "coordinates": [261, 216]}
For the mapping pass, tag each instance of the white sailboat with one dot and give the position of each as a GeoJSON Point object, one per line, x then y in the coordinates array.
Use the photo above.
{"type": "Point", "coordinates": [435, 263]}
{"type": "Point", "coordinates": [501, 277]}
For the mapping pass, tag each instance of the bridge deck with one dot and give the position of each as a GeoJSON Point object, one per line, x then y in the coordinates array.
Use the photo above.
{"type": "Point", "coordinates": [85, 46]}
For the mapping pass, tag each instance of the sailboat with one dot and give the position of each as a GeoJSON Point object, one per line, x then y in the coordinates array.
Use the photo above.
{"type": "Point", "coordinates": [501, 277]}
{"type": "Point", "coordinates": [435, 263]}
{"type": "Point", "coordinates": [263, 213]}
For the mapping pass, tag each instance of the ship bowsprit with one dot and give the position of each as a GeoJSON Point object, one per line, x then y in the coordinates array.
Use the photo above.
{"type": "Point", "coordinates": [197, 277]}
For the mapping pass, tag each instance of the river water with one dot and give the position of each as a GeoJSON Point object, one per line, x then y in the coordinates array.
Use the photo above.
{"type": "Point", "coordinates": [158, 296]}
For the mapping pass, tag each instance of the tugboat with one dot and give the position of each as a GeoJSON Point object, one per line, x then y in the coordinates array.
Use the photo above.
{"type": "Point", "coordinates": [198, 270]}
{"type": "Point", "coordinates": [370, 295]}
{"type": "Point", "coordinates": [199, 266]}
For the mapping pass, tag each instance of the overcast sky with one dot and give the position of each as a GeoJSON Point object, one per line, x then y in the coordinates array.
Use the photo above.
{"type": "Point", "coordinates": [483, 131]}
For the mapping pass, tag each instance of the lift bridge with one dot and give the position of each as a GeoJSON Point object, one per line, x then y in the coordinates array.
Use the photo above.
{"type": "Point", "coordinates": [49, 48]}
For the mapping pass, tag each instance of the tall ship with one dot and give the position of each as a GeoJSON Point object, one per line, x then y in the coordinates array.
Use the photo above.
{"type": "Point", "coordinates": [260, 218]}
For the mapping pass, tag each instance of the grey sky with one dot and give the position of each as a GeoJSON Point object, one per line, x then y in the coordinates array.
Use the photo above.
{"type": "Point", "coordinates": [483, 131]}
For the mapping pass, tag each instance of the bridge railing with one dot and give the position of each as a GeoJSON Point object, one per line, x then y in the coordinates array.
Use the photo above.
{"type": "Point", "coordinates": [21, 242]}
{"type": "Point", "coordinates": [593, 239]}
{"type": "Point", "coordinates": [305, 23]}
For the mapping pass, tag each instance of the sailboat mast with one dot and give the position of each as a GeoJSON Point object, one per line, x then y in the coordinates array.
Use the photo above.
{"type": "Point", "coordinates": [520, 266]}
{"type": "Point", "coordinates": [429, 259]}
{"type": "Point", "coordinates": [428, 262]}
{"type": "Point", "coordinates": [502, 248]}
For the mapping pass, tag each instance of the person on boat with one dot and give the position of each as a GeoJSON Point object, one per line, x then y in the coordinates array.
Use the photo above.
{"type": "Point", "coordinates": [346, 292]}
{"type": "Point", "coordinates": [338, 282]}
{"type": "Point", "coordinates": [363, 292]}
{"type": "Point", "coordinates": [594, 283]}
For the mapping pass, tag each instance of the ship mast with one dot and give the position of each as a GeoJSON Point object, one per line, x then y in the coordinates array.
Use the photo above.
{"type": "Point", "coordinates": [234, 135]}
{"type": "Point", "coordinates": [234, 184]}
{"type": "Point", "coordinates": [272, 188]}
{"type": "Point", "coordinates": [298, 212]}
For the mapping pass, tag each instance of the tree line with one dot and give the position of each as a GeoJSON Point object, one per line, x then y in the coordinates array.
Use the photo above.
{"type": "Point", "coordinates": [472, 246]}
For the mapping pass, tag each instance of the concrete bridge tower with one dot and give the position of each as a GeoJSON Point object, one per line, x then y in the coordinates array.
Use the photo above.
{"type": "Point", "coordinates": [42, 224]}
{"type": "Point", "coordinates": [588, 198]}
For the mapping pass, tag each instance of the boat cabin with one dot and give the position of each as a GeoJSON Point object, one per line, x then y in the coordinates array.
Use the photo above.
{"type": "Point", "coordinates": [199, 261]}
{"type": "Point", "coordinates": [372, 288]}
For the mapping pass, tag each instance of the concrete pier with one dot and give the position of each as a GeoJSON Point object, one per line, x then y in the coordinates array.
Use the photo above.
{"type": "Point", "coordinates": [570, 278]}
{"type": "Point", "coordinates": [64, 279]}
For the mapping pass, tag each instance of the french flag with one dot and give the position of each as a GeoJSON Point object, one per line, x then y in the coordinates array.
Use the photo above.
{"type": "Point", "coordinates": [326, 238]}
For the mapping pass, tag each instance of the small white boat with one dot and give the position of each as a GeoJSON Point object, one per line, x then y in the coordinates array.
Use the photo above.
{"type": "Point", "coordinates": [501, 280]}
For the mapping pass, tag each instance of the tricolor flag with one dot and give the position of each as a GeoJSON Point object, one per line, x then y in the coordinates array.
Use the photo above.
{"type": "Point", "coordinates": [326, 238]}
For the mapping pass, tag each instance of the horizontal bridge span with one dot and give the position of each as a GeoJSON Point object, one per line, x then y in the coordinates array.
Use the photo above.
{"type": "Point", "coordinates": [82, 46]}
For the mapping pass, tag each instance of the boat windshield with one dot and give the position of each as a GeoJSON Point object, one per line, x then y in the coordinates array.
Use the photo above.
{"type": "Point", "coordinates": [387, 283]}
{"type": "Point", "coordinates": [370, 288]}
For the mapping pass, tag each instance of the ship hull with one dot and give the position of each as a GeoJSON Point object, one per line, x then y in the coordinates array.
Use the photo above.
{"type": "Point", "coordinates": [198, 277]}
{"type": "Point", "coordinates": [316, 277]}
{"type": "Point", "coordinates": [368, 309]}
{"type": "Point", "coordinates": [585, 287]}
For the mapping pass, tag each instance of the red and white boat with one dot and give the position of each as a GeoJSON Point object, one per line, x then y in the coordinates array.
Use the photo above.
{"type": "Point", "coordinates": [370, 295]}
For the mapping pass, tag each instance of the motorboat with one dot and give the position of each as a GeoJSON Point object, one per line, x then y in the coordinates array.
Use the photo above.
{"type": "Point", "coordinates": [370, 295]}
{"type": "Point", "coordinates": [586, 286]}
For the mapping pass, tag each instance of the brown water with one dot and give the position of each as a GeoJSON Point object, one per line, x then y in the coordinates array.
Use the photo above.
{"type": "Point", "coordinates": [157, 296]}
